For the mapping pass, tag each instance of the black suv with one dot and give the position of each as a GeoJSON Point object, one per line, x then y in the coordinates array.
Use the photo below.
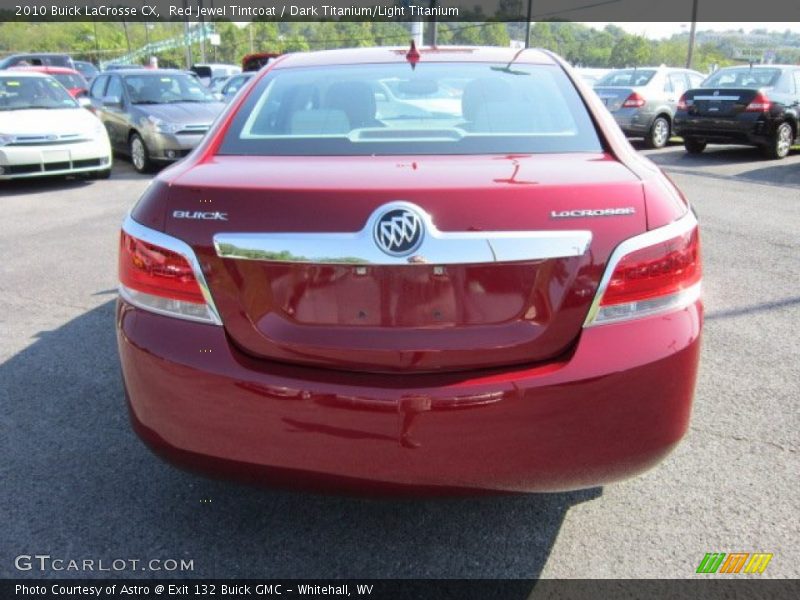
{"type": "Point", "coordinates": [756, 105]}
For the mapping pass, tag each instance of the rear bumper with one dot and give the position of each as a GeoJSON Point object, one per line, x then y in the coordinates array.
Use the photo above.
{"type": "Point", "coordinates": [750, 132]}
{"type": "Point", "coordinates": [633, 121]}
{"type": "Point", "coordinates": [612, 409]}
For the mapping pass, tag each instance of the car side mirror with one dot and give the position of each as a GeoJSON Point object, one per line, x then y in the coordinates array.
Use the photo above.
{"type": "Point", "coordinates": [84, 102]}
{"type": "Point", "coordinates": [112, 101]}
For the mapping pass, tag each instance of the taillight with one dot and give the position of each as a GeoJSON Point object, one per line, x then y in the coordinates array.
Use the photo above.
{"type": "Point", "coordinates": [761, 103]}
{"type": "Point", "coordinates": [159, 273]}
{"type": "Point", "coordinates": [655, 272]}
{"type": "Point", "coordinates": [154, 270]}
{"type": "Point", "coordinates": [633, 101]}
{"type": "Point", "coordinates": [682, 103]}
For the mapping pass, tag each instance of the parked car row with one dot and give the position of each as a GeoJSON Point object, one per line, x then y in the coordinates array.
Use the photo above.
{"type": "Point", "coordinates": [150, 115]}
{"type": "Point", "coordinates": [755, 105]}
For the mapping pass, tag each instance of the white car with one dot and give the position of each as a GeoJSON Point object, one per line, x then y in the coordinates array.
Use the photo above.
{"type": "Point", "coordinates": [44, 131]}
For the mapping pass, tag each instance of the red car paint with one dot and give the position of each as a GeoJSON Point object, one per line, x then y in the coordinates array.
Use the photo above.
{"type": "Point", "coordinates": [469, 377]}
{"type": "Point", "coordinates": [74, 76]}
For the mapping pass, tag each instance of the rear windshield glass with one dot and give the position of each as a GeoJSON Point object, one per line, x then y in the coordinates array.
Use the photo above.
{"type": "Point", "coordinates": [743, 77]}
{"type": "Point", "coordinates": [472, 108]}
{"type": "Point", "coordinates": [627, 78]}
{"type": "Point", "coordinates": [69, 80]}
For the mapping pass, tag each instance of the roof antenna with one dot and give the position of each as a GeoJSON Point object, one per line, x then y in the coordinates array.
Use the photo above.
{"type": "Point", "coordinates": [412, 56]}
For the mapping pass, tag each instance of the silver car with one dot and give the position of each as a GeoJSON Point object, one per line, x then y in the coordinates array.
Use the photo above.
{"type": "Point", "coordinates": [153, 115]}
{"type": "Point", "coordinates": [643, 100]}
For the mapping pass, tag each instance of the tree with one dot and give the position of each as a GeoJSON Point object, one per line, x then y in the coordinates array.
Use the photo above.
{"type": "Point", "coordinates": [630, 51]}
{"type": "Point", "coordinates": [495, 34]}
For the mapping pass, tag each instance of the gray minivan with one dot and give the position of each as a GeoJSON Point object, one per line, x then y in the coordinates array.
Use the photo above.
{"type": "Point", "coordinates": [643, 100]}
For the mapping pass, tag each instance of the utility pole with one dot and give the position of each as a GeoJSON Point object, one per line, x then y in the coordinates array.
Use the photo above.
{"type": "Point", "coordinates": [432, 26]}
{"type": "Point", "coordinates": [187, 43]}
{"type": "Point", "coordinates": [96, 41]}
{"type": "Point", "coordinates": [528, 24]}
{"type": "Point", "coordinates": [202, 32]}
{"type": "Point", "coordinates": [692, 32]}
{"type": "Point", "coordinates": [127, 37]}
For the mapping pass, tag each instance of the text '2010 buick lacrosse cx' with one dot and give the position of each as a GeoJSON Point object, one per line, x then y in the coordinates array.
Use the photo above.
{"type": "Point", "coordinates": [439, 270]}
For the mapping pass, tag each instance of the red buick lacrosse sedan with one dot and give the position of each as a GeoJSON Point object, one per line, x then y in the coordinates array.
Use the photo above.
{"type": "Point", "coordinates": [435, 270]}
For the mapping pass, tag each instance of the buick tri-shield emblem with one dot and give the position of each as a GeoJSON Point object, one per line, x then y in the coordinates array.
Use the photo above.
{"type": "Point", "coordinates": [399, 232]}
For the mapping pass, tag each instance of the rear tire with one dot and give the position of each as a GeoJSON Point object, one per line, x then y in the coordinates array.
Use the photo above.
{"type": "Point", "coordinates": [659, 133]}
{"type": "Point", "coordinates": [140, 155]}
{"type": "Point", "coordinates": [780, 143]}
{"type": "Point", "coordinates": [694, 146]}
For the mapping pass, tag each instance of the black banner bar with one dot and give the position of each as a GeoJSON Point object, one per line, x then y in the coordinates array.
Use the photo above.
{"type": "Point", "coordinates": [707, 588]}
{"type": "Point", "coordinates": [742, 11]}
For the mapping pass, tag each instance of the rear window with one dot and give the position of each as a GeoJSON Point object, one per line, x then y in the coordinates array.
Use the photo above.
{"type": "Point", "coordinates": [743, 77]}
{"type": "Point", "coordinates": [627, 78]}
{"type": "Point", "coordinates": [69, 80]}
{"type": "Point", "coordinates": [391, 109]}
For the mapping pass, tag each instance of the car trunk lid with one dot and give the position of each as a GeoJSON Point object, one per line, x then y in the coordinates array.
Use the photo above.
{"type": "Point", "coordinates": [614, 97]}
{"type": "Point", "coordinates": [518, 305]}
{"type": "Point", "coordinates": [719, 102]}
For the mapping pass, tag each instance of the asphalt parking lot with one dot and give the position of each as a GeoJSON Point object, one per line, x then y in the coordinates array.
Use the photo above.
{"type": "Point", "coordinates": [78, 484]}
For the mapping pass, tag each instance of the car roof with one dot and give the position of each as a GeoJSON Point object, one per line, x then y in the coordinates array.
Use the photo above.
{"type": "Point", "coordinates": [759, 67]}
{"type": "Point", "coordinates": [145, 71]}
{"type": "Point", "coordinates": [354, 56]}
{"type": "Point", "coordinates": [226, 65]}
{"type": "Point", "coordinates": [651, 68]}
{"type": "Point", "coordinates": [21, 73]}
{"type": "Point", "coordinates": [50, 70]}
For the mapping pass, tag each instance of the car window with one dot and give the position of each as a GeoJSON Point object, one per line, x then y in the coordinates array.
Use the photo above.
{"type": "Point", "coordinates": [158, 88]}
{"type": "Point", "coordinates": [235, 84]}
{"type": "Point", "coordinates": [469, 108]}
{"type": "Point", "coordinates": [18, 93]}
{"type": "Point", "coordinates": [743, 77]}
{"type": "Point", "coordinates": [70, 80]}
{"type": "Point", "coordinates": [677, 82]}
{"type": "Point", "coordinates": [98, 87]}
{"type": "Point", "coordinates": [114, 88]}
{"type": "Point", "coordinates": [627, 78]}
{"type": "Point", "coordinates": [797, 82]}
{"type": "Point", "coordinates": [695, 80]}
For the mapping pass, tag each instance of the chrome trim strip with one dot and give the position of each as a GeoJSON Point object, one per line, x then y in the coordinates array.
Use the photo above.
{"type": "Point", "coordinates": [158, 238]}
{"type": "Point", "coordinates": [715, 98]}
{"type": "Point", "coordinates": [683, 225]}
{"type": "Point", "coordinates": [437, 247]}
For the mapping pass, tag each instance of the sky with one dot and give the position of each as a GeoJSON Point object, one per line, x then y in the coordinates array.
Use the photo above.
{"type": "Point", "coordinates": [665, 30]}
